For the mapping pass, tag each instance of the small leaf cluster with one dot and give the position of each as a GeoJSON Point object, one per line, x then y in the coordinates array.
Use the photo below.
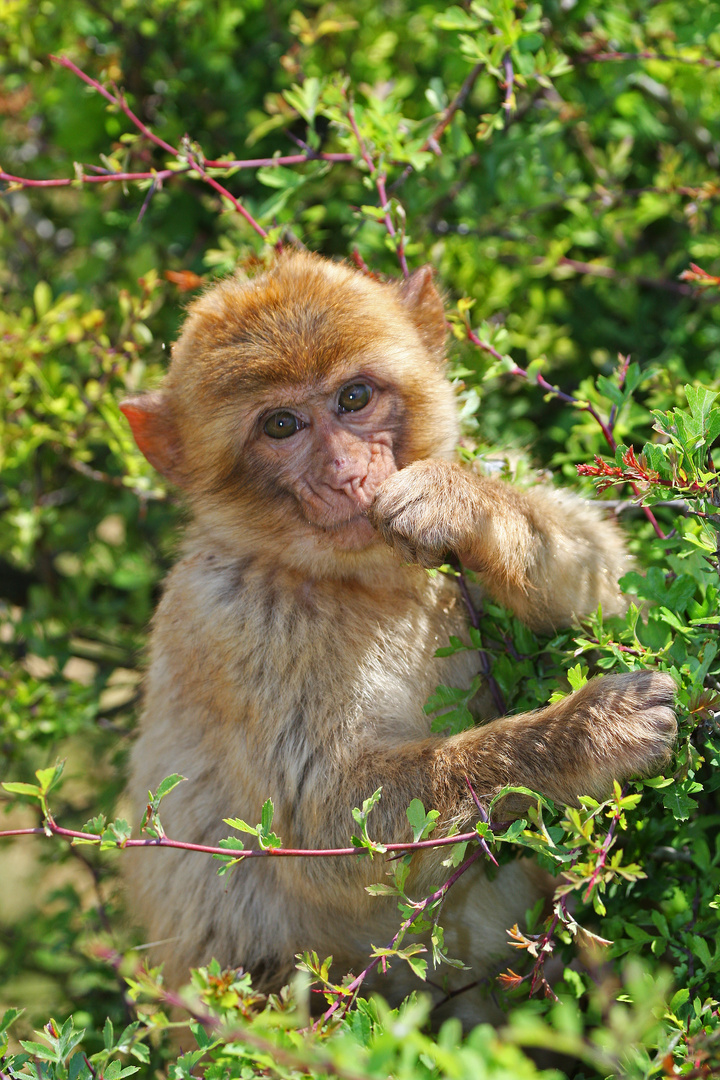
{"type": "Point", "coordinates": [266, 838]}
{"type": "Point", "coordinates": [60, 1055]}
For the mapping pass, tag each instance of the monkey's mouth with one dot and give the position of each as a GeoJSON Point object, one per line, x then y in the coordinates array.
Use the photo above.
{"type": "Point", "coordinates": [339, 508]}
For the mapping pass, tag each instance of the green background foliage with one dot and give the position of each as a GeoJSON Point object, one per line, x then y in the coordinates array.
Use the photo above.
{"type": "Point", "coordinates": [558, 166]}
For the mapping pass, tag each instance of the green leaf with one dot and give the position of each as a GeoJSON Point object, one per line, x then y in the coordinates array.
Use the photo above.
{"type": "Point", "coordinates": [78, 1068]}
{"type": "Point", "coordinates": [266, 815]}
{"type": "Point", "coordinates": [108, 1034]}
{"type": "Point", "coordinates": [700, 401]}
{"type": "Point", "coordinates": [240, 825]}
{"type": "Point", "coordinates": [513, 831]}
{"type": "Point", "coordinates": [38, 1050]}
{"type": "Point", "coordinates": [419, 966]}
{"type": "Point", "coordinates": [379, 889]}
{"type": "Point", "coordinates": [422, 824]}
{"type": "Point", "coordinates": [679, 999]}
{"type": "Point", "coordinates": [23, 789]}
{"type": "Point", "coordinates": [167, 785]}
{"type": "Point", "coordinates": [680, 803]}
{"type": "Point", "coordinates": [115, 1071]}
{"type": "Point", "coordinates": [610, 390]}
{"type": "Point", "coordinates": [42, 298]}
{"type": "Point", "coordinates": [577, 676]}
{"type": "Point", "coordinates": [233, 843]}
{"type": "Point", "coordinates": [9, 1017]}
{"type": "Point", "coordinates": [305, 98]}
{"type": "Point", "coordinates": [702, 951]}
{"type": "Point", "coordinates": [49, 777]}
{"type": "Point", "coordinates": [455, 18]}
{"type": "Point", "coordinates": [117, 832]}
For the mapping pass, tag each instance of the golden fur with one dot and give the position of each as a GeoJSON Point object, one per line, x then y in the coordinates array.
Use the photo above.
{"type": "Point", "coordinates": [294, 647]}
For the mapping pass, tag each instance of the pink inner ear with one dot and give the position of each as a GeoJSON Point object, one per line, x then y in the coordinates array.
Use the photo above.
{"type": "Point", "coordinates": [154, 432]}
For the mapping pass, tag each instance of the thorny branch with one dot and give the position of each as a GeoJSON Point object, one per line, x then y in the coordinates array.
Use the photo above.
{"type": "Point", "coordinates": [380, 177]}
{"type": "Point", "coordinates": [51, 828]}
{"type": "Point", "coordinates": [186, 154]}
{"type": "Point", "coordinates": [190, 158]}
{"type": "Point", "coordinates": [350, 992]}
{"type": "Point", "coordinates": [583, 406]}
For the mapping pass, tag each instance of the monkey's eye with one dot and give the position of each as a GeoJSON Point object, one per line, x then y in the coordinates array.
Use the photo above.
{"type": "Point", "coordinates": [281, 425]}
{"type": "Point", "coordinates": [354, 397]}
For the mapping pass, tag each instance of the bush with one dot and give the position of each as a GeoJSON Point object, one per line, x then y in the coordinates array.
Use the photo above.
{"type": "Point", "coordinates": [558, 166]}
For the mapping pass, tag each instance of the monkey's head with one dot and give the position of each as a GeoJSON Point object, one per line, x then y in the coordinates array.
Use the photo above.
{"type": "Point", "coordinates": [291, 397]}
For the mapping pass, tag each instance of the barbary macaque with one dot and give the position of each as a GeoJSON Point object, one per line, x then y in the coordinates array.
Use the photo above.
{"type": "Point", "coordinates": [307, 419]}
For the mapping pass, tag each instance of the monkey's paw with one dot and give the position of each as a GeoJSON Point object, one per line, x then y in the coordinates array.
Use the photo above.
{"type": "Point", "coordinates": [425, 512]}
{"type": "Point", "coordinates": [616, 727]}
{"type": "Point", "coordinates": [626, 724]}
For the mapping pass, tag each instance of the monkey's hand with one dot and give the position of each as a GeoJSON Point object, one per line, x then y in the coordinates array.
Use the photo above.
{"type": "Point", "coordinates": [427, 511]}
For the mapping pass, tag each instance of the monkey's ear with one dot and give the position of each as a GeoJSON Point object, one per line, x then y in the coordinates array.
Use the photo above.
{"type": "Point", "coordinates": [425, 307]}
{"type": "Point", "coordinates": [155, 432]}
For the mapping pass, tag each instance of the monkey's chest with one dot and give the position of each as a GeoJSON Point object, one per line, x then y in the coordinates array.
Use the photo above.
{"type": "Point", "coordinates": [322, 662]}
{"type": "Point", "coordinates": [364, 661]}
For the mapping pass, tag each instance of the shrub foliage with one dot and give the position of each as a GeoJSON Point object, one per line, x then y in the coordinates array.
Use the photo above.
{"type": "Point", "coordinates": [557, 164]}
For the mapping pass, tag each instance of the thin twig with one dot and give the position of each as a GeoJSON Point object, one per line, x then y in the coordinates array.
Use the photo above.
{"type": "Point", "coordinates": [485, 663]}
{"type": "Point", "coordinates": [352, 989]}
{"type": "Point", "coordinates": [287, 159]}
{"type": "Point", "coordinates": [484, 818]}
{"type": "Point", "coordinates": [584, 406]}
{"type": "Point", "coordinates": [52, 829]}
{"type": "Point", "coordinates": [432, 141]}
{"type": "Point", "coordinates": [603, 851]}
{"type": "Point", "coordinates": [509, 88]}
{"type": "Point", "coordinates": [115, 99]}
{"type": "Point", "coordinates": [183, 155]}
{"type": "Point", "coordinates": [379, 178]}
{"type": "Point", "coordinates": [646, 54]}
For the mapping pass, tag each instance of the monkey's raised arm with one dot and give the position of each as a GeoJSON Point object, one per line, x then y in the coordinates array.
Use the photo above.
{"type": "Point", "coordinates": [547, 555]}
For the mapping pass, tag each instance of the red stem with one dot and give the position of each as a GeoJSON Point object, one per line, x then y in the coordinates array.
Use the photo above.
{"type": "Point", "coordinates": [289, 159]}
{"type": "Point", "coordinates": [351, 990]}
{"type": "Point", "coordinates": [65, 181]}
{"type": "Point", "coordinates": [118, 100]}
{"type": "Point", "coordinates": [73, 834]}
{"type": "Point", "coordinates": [382, 193]}
{"type": "Point", "coordinates": [399, 245]}
{"type": "Point", "coordinates": [584, 406]}
{"type": "Point", "coordinates": [602, 854]}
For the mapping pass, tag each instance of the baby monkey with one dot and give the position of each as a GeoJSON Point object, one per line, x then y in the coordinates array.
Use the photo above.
{"type": "Point", "coordinates": [308, 421]}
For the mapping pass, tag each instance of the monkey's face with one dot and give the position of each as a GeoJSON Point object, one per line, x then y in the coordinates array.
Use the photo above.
{"type": "Point", "coordinates": [330, 447]}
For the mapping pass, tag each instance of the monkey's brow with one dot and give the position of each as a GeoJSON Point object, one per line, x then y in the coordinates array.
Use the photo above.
{"type": "Point", "coordinates": [310, 391]}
